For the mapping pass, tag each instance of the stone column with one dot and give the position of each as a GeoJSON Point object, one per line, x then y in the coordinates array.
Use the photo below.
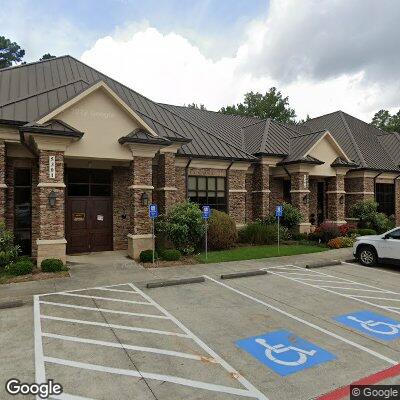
{"type": "Point", "coordinates": [358, 187]}
{"type": "Point", "coordinates": [3, 185]}
{"type": "Point", "coordinates": [237, 194]}
{"type": "Point", "coordinates": [261, 192]}
{"type": "Point", "coordinates": [397, 201]}
{"type": "Point", "coordinates": [140, 237]}
{"type": "Point", "coordinates": [300, 195]}
{"type": "Point", "coordinates": [51, 241]}
{"type": "Point", "coordinates": [336, 199]}
{"type": "Point", "coordinates": [166, 181]}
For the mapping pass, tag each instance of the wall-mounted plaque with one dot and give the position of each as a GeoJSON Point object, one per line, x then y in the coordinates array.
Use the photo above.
{"type": "Point", "coordinates": [78, 217]}
{"type": "Point", "coordinates": [52, 167]}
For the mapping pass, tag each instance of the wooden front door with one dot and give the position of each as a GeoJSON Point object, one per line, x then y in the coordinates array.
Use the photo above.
{"type": "Point", "coordinates": [88, 211]}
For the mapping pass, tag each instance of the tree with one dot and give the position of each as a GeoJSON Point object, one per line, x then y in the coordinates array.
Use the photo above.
{"type": "Point", "coordinates": [387, 122]}
{"type": "Point", "coordinates": [196, 106]}
{"type": "Point", "coordinates": [271, 105]}
{"type": "Point", "coordinates": [10, 52]}
{"type": "Point", "coordinates": [46, 56]}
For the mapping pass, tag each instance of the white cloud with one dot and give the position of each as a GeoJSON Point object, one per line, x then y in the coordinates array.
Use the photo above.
{"type": "Point", "coordinates": [311, 53]}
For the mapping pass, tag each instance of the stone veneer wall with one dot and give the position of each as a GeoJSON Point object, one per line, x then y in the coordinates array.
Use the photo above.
{"type": "Point", "coordinates": [236, 180]}
{"type": "Point", "coordinates": [397, 201]}
{"type": "Point", "coordinates": [336, 198]}
{"type": "Point", "coordinates": [121, 204]}
{"type": "Point", "coordinates": [164, 181]}
{"type": "Point", "coordinates": [3, 192]}
{"type": "Point", "coordinates": [249, 198]}
{"type": "Point", "coordinates": [299, 189]}
{"type": "Point", "coordinates": [261, 195]}
{"type": "Point", "coordinates": [180, 184]}
{"type": "Point", "coordinates": [357, 189]}
{"type": "Point", "coordinates": [276, 195]}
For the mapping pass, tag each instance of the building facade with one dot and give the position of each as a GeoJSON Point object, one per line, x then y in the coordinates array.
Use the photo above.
{"type": "Point", "coordinates": [82, 155]}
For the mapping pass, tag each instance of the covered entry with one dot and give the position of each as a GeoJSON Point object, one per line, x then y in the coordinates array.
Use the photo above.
{"type": "Point", "coordinates": [88, 210]}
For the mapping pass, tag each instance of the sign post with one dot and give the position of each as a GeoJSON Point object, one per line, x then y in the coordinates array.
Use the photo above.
{"type": "Point", "coordinates": [206, 212]}
{"type": "Point", "coordinates": [278, 214]}
{"type": "Point", "coordinates": [153, 214]}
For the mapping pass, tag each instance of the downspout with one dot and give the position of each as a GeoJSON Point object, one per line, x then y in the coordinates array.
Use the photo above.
{"type": "Point", "coordinates": [187, 177]}
{"type": "Point", "coordinates": [227, 187]}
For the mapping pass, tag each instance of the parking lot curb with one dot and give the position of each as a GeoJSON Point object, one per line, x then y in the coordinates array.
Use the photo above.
{"type": "Point", "coordinates": [243, 274]}
{"type": "Point", "coordinates": [11, 304]}
{"type": "Point", "coordinates": [174, 282]}
{"type": "Point", "coordinates": [323, 264]}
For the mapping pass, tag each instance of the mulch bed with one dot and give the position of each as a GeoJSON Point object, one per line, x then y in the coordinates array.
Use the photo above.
{"type": "Point", "coordinates": [161, 264]}
{"type": "Point", "coordinates": [36, 275]}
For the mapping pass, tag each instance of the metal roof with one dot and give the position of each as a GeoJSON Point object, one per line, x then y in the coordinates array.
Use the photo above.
{"type": "Point", "coordinates": [300, 145]}
{"type": "Point", "coordinates": [391, 143]}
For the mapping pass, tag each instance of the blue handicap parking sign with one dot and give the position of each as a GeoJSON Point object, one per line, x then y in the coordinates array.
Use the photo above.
{"type": "Point", "coordinates": [372, 324]}
{"type": "Point", "coordinates": [279, 211]}
{"type": "Point", "coordinates": [153, 211]}
{"type": "Point", "coordinates": [284, 352]}
{"type": "Point", "coordinates": [206, 211]}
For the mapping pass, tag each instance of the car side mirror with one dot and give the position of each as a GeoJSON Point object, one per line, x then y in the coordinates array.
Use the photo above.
{"type": "Point", "coordinates": [387, 237]}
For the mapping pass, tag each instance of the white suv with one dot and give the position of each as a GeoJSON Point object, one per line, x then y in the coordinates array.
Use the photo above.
{"type": "Point", "coordinates": [370, 250]}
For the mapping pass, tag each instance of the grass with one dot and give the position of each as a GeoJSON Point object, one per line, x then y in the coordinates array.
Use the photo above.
{"type": "Point", "coordinates": [256, 252]}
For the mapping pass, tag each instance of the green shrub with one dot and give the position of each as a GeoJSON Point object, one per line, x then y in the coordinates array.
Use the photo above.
{"type": "Point", "coordinates": [259, 233]}
{"type": "Point", "coordinates": [326, 231]}
{"type": "Point", "coordinates": [170, 255]}
{"type": "Point", "coordinates": [365, 232]}
{"type": "Point", "coordinates": [8, 251]}
{"type": "Point", "coordinates": [21, 267]}
{"type": "Point", "coordinates": [300, 236]}
{"type": "Point", "coordinates": [340, 242]}
{"type": "Point", "coordinates": [369, 217]}
{"type": "Point", "coordinates": [269, 220]}
{"type": "Point", "coordinates": [291, 216]}
{"type": "Point", "coordinates": [183, 226]}
{"type": "Point", "coordinates": [222, 233]}
{"type": "Point", "coordinates": [147, 256]}
{"type": "Point", "coordinates": [52, 265]}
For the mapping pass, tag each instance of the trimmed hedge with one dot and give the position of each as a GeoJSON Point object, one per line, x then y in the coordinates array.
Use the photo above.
{"type": "Point", "coordinates": [147, 256]}
{"type": "Point", "coordinates": [365, 232]}
{"type": "Point", "coordinates": [259, 233]}
{"type": "Point", "coordinates": [52, 265]}
{"type": "Point", "coordinates": [21, 267]}
{"type": "Point", "coordinates": [222, 233]}
{"type": "Point", "coordinates": [170, 255]}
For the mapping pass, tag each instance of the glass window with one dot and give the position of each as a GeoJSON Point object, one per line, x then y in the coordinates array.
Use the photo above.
{"type": "Point", "coordinates": [385, 197]}
{"type": "Point", "coordinates": [22, 177]}
{"type": "Point", "coordinates": [208, 190]}
{"type": "Point", "coordinates": [395, 234]}
{"type": "Point", "coordinates": [78, 190]}
{"type": "Point", "coordinates": [100, 190]}
{"type": "Point", "coordinates": [89, 182]}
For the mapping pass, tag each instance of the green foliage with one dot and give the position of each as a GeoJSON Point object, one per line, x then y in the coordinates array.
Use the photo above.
{"type": "Point", "coordinates": [387, 122]}
{"type": "Point", "coordinates": [270, 105]}
{"type": "Point", "coordinates": [300, 236]}
{"type": "Point", "coordinates": [196, 106]}
{"type": "Point", "coordinates": [170, 255]}
{"type": "Point", "coordinates": [8, 251]}
{"type": "Point", "coordinates": [259, 233]}
{"type": "Point", "coordinates": [20, 267]}
{"type": "Point", "coordinates": [52, 265]}
{"type": "Point", "coordinates": [291, 216]}
{"type": "Point", "coordinates": [326, 232]}
{"type": "Point", "coordinates": [269, 220]}
{"type": "Point", "coordinates": [10, 52]}
{"type": "Point", "coordinates": [46, 56]}
{"type": "Point", "coordinates": [340, 242]}
{"type": "Point", "coordinates": [183, 226]}
{"type": "Point", "coordinates": [147, 256]}
{"type": "Point", "coordinates": [369, 217]}
{"type": "Point", "coordinates": [365, 232]}
{"type": "Point", "coordinates": [222, 233]}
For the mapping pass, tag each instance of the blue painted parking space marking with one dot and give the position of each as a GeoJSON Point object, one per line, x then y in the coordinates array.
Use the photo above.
{"type": "Point", "coordinates": [372, 324]}
{"type": "Point", "coordinates": [284, 352]}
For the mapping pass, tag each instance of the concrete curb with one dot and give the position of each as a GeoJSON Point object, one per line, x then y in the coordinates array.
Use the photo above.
{"type": "Point", "coordinates": [323, 264]}
{"type": "Point", "coordinates": [11, 304]}
{"type": "Point", "coordinates": [174, 282]}
{"type": "Point", "coordinates": [243, 274]}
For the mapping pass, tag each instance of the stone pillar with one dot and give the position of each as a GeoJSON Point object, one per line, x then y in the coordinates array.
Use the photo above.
{"type": "Point", "coordinates": [261, 192]}
{"type": "Point", "coordinates": [166, 181]}
{"type": "Point", "coordinates": [397, 201]}
{"type": "Point", "coordinates": [140, 237]}
{"type": "Point", "coordinates": [237, 194]}
{"type": "Point", "coordinates": [300, 195]}
{"type": "Point", "coordinates": [3, 185]}
{"type": "Point", "coordinates": [336, 199]}
{"type": "Point", "coordinates": [358, 187]}
{"type": "Point", "coordinates": [51, 241]}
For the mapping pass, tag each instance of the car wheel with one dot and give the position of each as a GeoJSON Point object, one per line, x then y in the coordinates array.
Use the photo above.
{"type": "Point", "coordinates": [367, 256]}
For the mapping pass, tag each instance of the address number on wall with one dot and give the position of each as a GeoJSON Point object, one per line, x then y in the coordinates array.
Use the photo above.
{"type": "Point", "coordinates": [52, 167]}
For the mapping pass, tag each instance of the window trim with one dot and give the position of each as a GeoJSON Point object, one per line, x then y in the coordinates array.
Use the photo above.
{"type": "Point", "coordinates": [381, 194]}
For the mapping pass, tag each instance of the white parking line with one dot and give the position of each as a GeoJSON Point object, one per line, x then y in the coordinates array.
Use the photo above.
{"type": "Point", "coordinates": [310, 324]}
{"type": "Point", "coordinates": [116, 290]}
{"type": "Point", "coordinates": [106, 310]}
{"type": "Point", "coordinates": [85, 296]}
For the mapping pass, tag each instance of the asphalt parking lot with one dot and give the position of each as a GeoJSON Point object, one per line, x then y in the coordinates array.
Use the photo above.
{"type": "Point", "coordinates": [293, 333]}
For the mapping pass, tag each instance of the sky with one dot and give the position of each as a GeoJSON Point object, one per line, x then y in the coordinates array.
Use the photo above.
{"type": "Point", "coordinates": [325, 55]}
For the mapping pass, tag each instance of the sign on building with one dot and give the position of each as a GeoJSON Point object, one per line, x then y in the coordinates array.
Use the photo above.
{"type": "Point", "coordinates": [52, 167]}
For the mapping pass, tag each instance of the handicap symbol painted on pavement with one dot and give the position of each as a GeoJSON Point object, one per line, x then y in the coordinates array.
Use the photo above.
{"type": "Point", "coordinates": [284, 352]}
{"type": "Point", "coordinates": [372, 324]}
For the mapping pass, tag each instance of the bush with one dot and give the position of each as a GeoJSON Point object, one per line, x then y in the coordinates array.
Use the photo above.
{"type": "Point", "coordinates": [365, 232]}
{"type": "Point", "coordinates": [21, 267]}
{"type": "Point", "coordinates": [345, 229]}
{"type": "Point", "coordinates": [147, 256]}
{"type": "Point", "coordinates": [259, 233]}
{"type": "Point", "coordinates": [369, 217]}
{"type": "Point", "coordinates": [340, 242]}
{"type": "Point", "coordinates": [170, 255]}
{"type": "Point", "coordinates": [269, 220]}
{"type": "Point", "coordinates": [8, 251]}
{"type": "Point", "coordinates": [222, 233]}
{"type": "Point", "coordinates": [326, 231]}
{"type": "Point", "coordinates": [291, 216]}
{"type": "Point", "coordinates": [300, 236]}
{"type": "Point", "coordinates": [52, 265]}
{"type": "Point", "coordinates": [183, 226]}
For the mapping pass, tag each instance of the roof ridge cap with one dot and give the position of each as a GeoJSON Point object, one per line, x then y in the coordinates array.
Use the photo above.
{"type": "Point", "coordinates": [341, 113]}
{"type": "Point", "coordinates": [33, 63]}
{"type": "Point", "coordinates": [255, 123]}
{"type": "Point", "coordinates": [265, 134]}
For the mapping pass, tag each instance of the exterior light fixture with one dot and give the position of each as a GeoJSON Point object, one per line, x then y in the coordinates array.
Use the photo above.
{"type": "Point", "coordinates": [144, 199]}
{"type": "Point", "coordinates": [52, 198]}
{"type": "Point", "coordinates": [341, 199]}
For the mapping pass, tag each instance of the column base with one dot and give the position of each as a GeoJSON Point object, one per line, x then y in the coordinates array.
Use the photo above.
{"type": "Point", "coordinates": [138, 243]}
{"type": "Point", "coordinates": [51, 248]}
{"type": "Point", "coordinates": [329, 221]}
{"type": "Point", "coordinates": [304, 227]}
